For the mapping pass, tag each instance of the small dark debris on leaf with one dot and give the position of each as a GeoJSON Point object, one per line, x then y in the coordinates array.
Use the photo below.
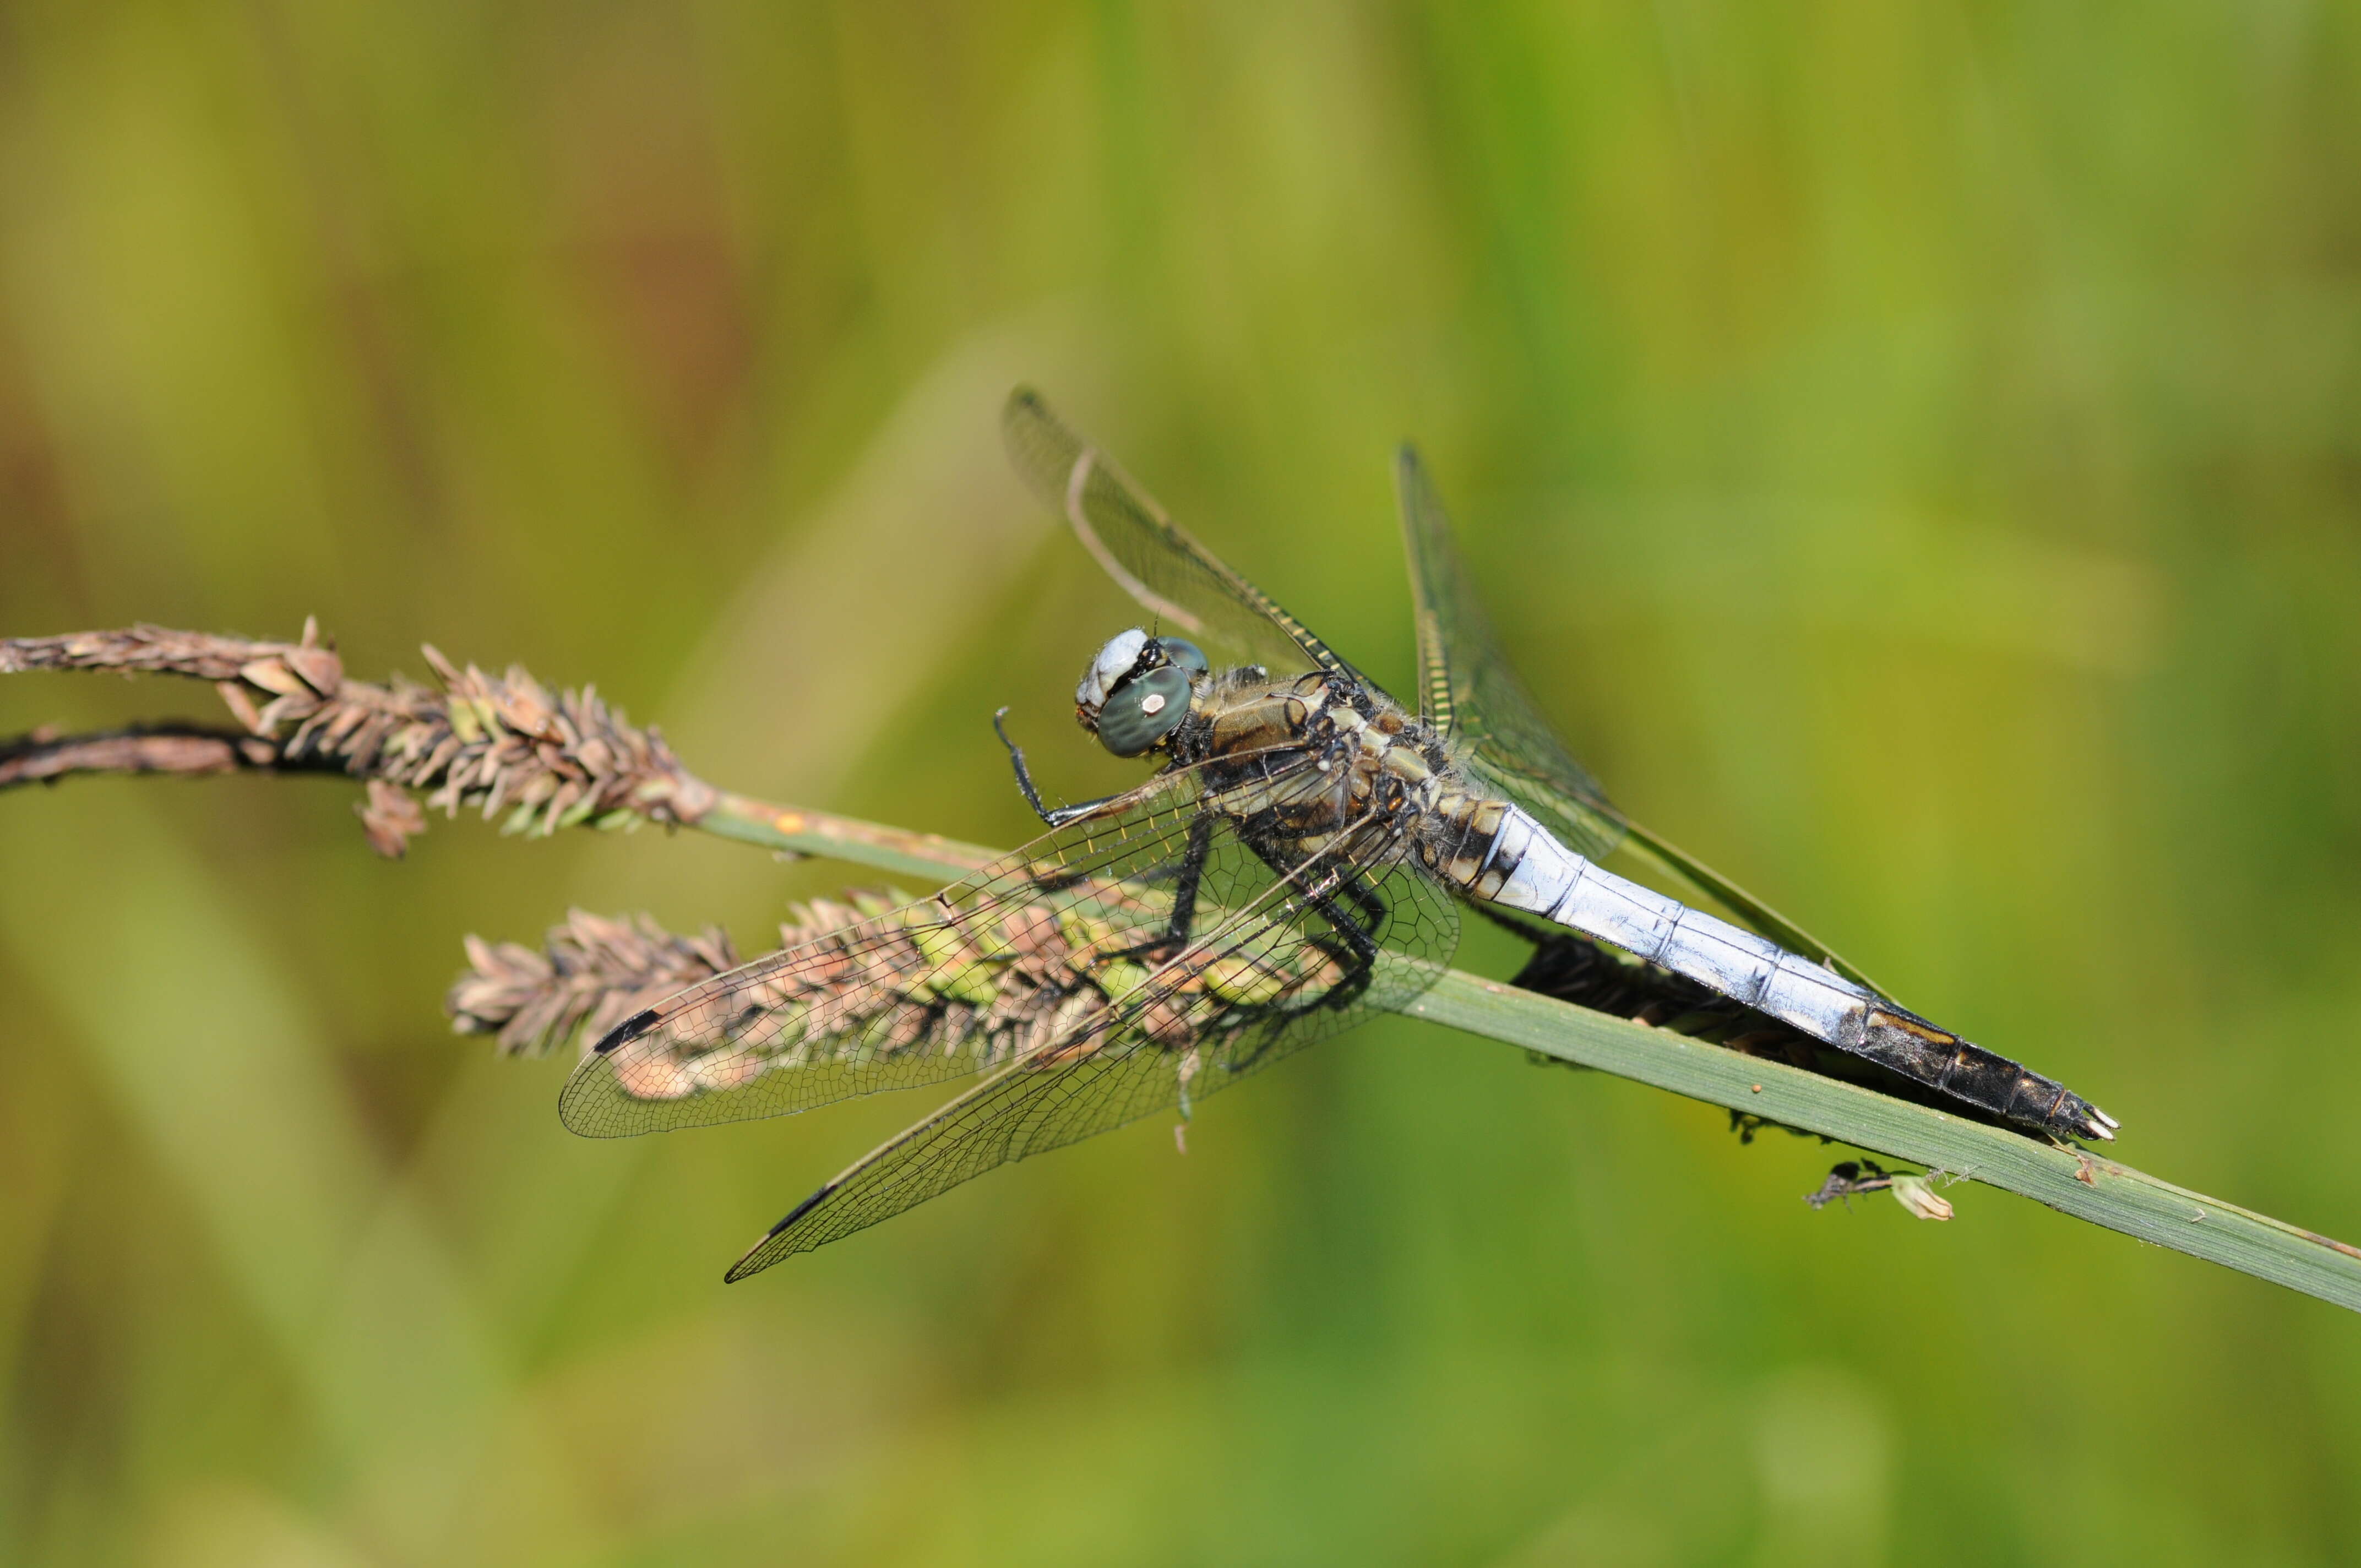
{"type": "Point", "coordinates": [1848, 1179]}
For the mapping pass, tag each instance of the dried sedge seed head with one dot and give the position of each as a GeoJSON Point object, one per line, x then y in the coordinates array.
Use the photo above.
{"type": "Point", "coordinates": [503, 744]}
{"type": "Point", "coordinates": [874, 976]}
{"type": "Point", "coordinates": [591, 974]}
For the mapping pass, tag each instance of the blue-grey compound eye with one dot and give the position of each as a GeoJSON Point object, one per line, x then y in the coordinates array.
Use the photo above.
{"type": "Point", "coordinates": [1143, 711]}
{"type": "Point", "coordinates": [1186, 654]}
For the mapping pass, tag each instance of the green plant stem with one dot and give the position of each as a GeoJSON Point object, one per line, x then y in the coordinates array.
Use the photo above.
{"type": "Point", "coordinates": [794, 831]}
{"type": "Point", "coordinates": [2083, 1185]}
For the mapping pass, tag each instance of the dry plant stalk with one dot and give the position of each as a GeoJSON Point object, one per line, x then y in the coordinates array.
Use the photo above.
{"type": "Point", "coordinates": [503, 743]}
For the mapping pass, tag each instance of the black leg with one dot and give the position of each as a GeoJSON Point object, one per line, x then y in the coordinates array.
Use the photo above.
{"type": "Point", "coordinates": [1191, 876]}
{"type": "Point", "coordinates": [1357, 952]}
{"type": "Point", "coordinates": [1357, 942]}
{"type": "Point", "coordinates": [1373, 908]}
{"type": "Point", "coordinates": [1055, 815]}
{"type": "Point", "coordinates": [1323, 894]}
{"type": "Point", "coordinates": [1362, 939]}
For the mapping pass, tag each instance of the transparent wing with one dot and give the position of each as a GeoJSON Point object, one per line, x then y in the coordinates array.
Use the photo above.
{"type": "Point", "coordinates": [1296, 969]}
{"type": "Point", "coordinates": [1467, 688]}
{"type": "Point", "coordinates": [1150, 555]}
{"type": "Point", "coordinates": [992, 969]}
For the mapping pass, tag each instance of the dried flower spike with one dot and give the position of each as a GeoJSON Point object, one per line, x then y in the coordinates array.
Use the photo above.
{"type": "Point", "coordinates": [887, 979]}
{"type": "Point", "coordinates": [503, 744]}
{"type": "Point", "coordinates": [589, 974]}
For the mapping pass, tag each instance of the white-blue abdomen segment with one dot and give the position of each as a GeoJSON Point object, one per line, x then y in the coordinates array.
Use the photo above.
{"type": "Point", "coordinates": [1524, 868]}
{"type": "Point", "coordinates": [1545, 877]}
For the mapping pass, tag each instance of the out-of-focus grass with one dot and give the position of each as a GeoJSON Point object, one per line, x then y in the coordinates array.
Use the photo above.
{"type": "Point", "coordinates": [1910, 449]}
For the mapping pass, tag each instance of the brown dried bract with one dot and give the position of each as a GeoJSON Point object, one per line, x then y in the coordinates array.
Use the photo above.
{"type": "Point", "coordinates": [390, 818]}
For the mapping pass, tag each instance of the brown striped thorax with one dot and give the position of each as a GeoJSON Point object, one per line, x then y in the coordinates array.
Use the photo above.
{"type": "Point", "coordinates": [1394, 776]}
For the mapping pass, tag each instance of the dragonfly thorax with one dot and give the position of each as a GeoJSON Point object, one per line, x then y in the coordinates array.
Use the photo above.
{"type": "Point", "coordinates": [1138, 690]}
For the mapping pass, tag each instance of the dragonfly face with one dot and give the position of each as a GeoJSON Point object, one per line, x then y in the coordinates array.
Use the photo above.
{"type": "Point", "coordinates": [1295, 863]}
{"type": "Point", "coordinates": [1139, 690]}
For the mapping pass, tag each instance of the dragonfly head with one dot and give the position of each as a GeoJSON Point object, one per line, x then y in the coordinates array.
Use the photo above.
{"type": "Point", "coordinates": [1136, 691]}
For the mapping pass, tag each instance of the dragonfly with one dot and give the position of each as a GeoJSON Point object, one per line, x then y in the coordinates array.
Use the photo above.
{"type": "Point", "coordinates": [1296, 862]}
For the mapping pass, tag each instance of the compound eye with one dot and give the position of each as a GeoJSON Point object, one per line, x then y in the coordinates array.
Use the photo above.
{"type": "Point", "coordinates": [1186, 654]}
{"type": "Point", "coordinates": [1139, 713]}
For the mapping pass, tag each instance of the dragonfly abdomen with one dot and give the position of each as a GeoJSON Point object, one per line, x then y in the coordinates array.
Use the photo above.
{"type": "Point", "coordinates": [1506, 858]}
{"type": "Point", "coordinates": [1913, 1046]}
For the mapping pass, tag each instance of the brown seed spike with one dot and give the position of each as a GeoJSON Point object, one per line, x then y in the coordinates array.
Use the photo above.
{"type": "Point", "coordinates": [480, 742]}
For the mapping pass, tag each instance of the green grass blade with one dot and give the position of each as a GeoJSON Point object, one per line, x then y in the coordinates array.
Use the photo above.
{"type": "Point", "coordinates": [2085, 1186]}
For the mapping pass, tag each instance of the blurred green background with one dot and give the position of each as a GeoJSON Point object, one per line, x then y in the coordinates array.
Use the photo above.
{"type": "Point", "coordinates": [1912, 449]}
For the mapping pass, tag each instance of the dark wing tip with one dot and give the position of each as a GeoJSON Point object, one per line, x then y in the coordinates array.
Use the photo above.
{"type": "Point", "coordinates": [1040, 446]}
{"type": "Point", "coordinates": [1025, 400]}
{"type": "Point", "coordinates": [761, 1256]}
{"type": "Point", "coordinates": [585, 1105]}
{"type": "Point", "coordinates": [1413, 488]}
{"type": "Point", "coordinates": [625, 1033]}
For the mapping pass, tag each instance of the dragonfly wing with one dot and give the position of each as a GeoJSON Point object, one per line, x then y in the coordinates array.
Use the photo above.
{"type": "Point", "coordinates": [1467, 688]}
{"type": "Point", "coordinates": [989, 971]}
{"type": "Point", "coordinates": [1766, 921]}
{"type": "Point", "coordinates": [1274, 973]}
{"type": "Point", "coordinates": [1154, 559]}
